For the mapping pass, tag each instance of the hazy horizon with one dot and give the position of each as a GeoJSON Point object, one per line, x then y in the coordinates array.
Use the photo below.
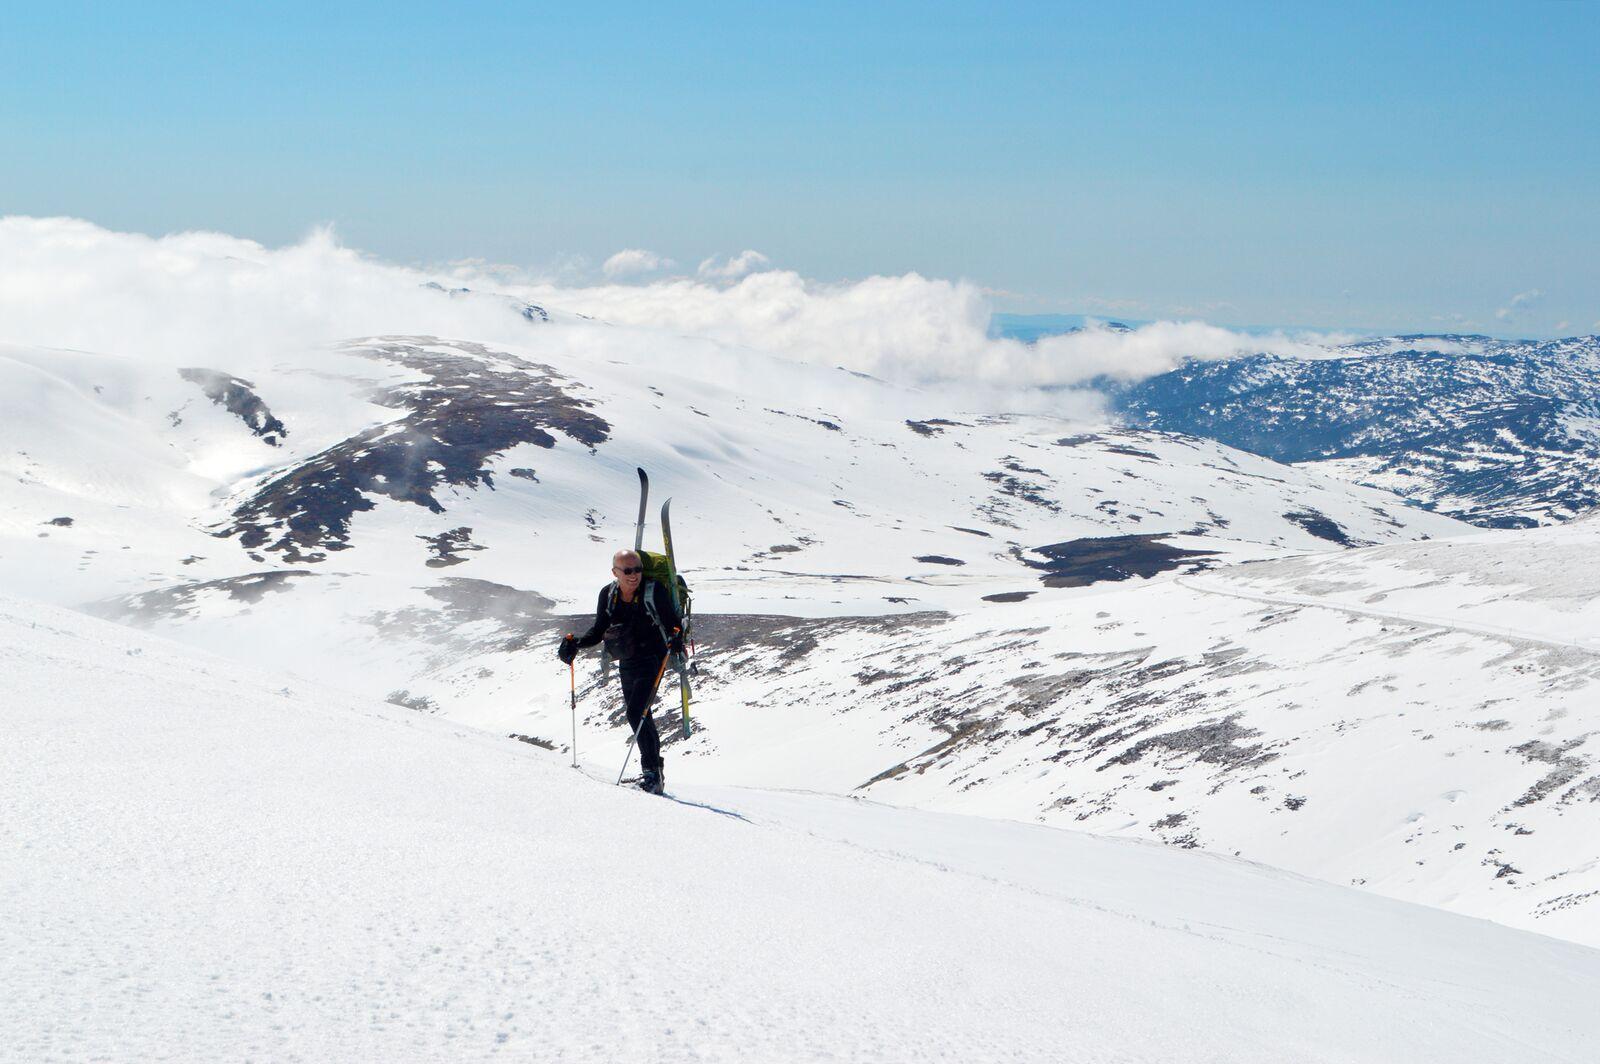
{"type": "Point", "coordinates": [1370, 168]}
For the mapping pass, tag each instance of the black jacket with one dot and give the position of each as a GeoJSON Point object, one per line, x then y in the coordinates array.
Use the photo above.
{"type": "Point", "coordinates": [629, 633]}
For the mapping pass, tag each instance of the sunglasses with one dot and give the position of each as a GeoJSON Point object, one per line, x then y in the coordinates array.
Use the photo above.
{"type": "Point", "coordinates": [629, 570]}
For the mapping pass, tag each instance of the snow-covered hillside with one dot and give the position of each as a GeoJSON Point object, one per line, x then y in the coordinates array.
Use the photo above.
{"type": "Point", "coordinates": [1411, 718]}
{"type": "Point", "coordinates": [375, 511]}
{"type": "Point", "coordinates": [1500, 433]}
{"type": "Point", "coordinates": [207, 861]}
{"type": "Point", "coordinates": [949, 611]}
{"type": "Point", "coordinates": [394, 454]}
{"type": "Point", "coordinates": [959, 600]}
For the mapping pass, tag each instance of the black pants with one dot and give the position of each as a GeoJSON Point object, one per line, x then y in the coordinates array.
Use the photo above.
{"type": "Point", "coordinates": [638, 691]}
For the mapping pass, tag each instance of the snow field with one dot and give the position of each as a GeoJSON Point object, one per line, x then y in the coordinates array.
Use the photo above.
{"type": "Point", "coordinates": [208, 862]}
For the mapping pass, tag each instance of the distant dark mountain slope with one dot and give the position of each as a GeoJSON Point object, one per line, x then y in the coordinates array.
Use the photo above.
{"type": "Point", "coordinates": [1501, 434]}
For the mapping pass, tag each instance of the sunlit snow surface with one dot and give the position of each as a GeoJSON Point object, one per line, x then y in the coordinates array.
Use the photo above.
{"type": "Point", "coordinates": [212, 862]}
{"type": "Point", "coordinates": [903, 591]}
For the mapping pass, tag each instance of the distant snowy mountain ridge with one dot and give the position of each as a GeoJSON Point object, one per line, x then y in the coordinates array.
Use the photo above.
{"type": "Point", "coordinates": [1503, 434]}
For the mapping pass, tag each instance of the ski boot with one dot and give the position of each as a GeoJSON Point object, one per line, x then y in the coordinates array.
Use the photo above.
{"type": "Point", "coordinates": [654, 780]}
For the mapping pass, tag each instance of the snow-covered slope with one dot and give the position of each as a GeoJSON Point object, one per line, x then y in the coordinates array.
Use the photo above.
{"type": "Point", "coordinates": [911, 593]}
{"type": "Point", "coordinates": [1500, 433]}
{"type": "Point", "coordinates": [215, 863]}
{"type": "Point", "coordinates": [375, 511]}
{"type": "Point", "coordinates": [790, 478]}
{"type": "Point", "coordinates": [1413, 719]}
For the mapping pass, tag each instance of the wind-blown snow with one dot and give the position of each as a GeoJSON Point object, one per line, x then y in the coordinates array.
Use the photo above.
{"type": "Point", "coordinates": [222, 864]}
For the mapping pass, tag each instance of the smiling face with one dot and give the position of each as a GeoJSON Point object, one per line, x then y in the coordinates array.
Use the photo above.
{"type": "Point", "coordinates": [628, 570]}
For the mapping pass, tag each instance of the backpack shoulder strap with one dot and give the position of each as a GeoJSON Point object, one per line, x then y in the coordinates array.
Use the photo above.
{"type": "Point", "coordinates": [648, 590]}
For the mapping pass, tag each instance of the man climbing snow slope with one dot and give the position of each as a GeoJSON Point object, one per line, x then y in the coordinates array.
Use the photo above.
{"type": "Point", "coordinates": [640, 627]}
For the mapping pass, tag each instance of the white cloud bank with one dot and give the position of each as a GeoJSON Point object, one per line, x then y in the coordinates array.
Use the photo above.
{"type": "Point", "coordinates": [746, 262]}
{"type": "Point", "coordinates": [634, 262]}
{"type": "Point", "coordinates": [208, 299]}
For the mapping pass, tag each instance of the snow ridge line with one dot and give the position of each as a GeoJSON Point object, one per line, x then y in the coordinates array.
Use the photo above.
{"type": "Point", "coordinates": [1489, 630]}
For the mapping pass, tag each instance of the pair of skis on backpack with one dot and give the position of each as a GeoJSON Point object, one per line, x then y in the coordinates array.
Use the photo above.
{"type": "Point", "coordinates": [663, 568]}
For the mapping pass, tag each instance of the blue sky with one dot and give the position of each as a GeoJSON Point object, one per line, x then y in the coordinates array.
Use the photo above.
{"type": "Point", "coordinates": [1366, 167]}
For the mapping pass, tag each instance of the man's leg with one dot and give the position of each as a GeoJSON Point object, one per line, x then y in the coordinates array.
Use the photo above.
{"type": "Point", "coordinates": [638, 691]}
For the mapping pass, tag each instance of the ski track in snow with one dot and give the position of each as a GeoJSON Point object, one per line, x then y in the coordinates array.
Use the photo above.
{"type": "Point", "coordinates": [206, 863]}
{"type": "Point", "coordinates": [1215, 587]}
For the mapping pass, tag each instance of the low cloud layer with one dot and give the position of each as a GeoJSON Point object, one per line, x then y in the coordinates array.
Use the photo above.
{"type": "Point", "coordinates": [634, 262]}
{"type": "Point", "coordinates": [731, 269]}
{"type": "Point", "coordinates": [207, 298]}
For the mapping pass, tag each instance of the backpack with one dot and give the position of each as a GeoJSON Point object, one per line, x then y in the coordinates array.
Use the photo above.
{"type": "Point", "coordinates": [658, 570]}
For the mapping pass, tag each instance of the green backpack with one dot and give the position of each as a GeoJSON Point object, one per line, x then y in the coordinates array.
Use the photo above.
{"type": "Point", "coordinates": [658, 570]}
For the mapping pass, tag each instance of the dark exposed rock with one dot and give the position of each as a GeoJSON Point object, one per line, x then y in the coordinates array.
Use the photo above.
{"type": "Point", "coordinates": [60, 522]}
{"type": "Point", "coordinates": [831, 426]}
{"type": "Point", "coordinates": [169, 603]}
{"type": "Point", "coordinates": [793, 637]}
{"type": "Point", "coordinates": [1565, 767]}
{"type": "Point", "coordinates": [1219, 742]}
{"type": "Point", "coordinates": [959, 735]}
{"type": "Point", "coordinates": [938, 559]}
{"type": "Point", "coordinates": [449, 546]}
{"type": "Point", "coordinates": [933, 426]}
{"type": "Point", "coordinates": [1322, 526]}
{"type": "Point", "coordinates": [472, 404]}
{"type": "Point", "coordinates": [1013, 486]}
{"type": "Point", "coordinates": [237, 397]}
{"type": "Point", "coordinates": [465, 599]}
{"type": "Point", "coordinates": [1079, 562]}
{"type": "Point", "coordinates": [406, 700]}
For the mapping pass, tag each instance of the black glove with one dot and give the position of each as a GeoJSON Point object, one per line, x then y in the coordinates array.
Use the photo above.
{"type": "Point", "coordinates": [675, 647]}
{"type": "Point", "coordinates": [568, 649]}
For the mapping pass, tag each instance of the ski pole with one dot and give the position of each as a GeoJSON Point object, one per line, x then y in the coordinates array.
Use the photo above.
{"type": "Point", "coordinates": [572, 675]}
{"type": "Point", "coordinates": [635, 736]}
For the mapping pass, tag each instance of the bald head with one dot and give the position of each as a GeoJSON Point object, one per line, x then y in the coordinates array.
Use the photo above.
{"type": "Point", "coordinates": [628, 570]}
